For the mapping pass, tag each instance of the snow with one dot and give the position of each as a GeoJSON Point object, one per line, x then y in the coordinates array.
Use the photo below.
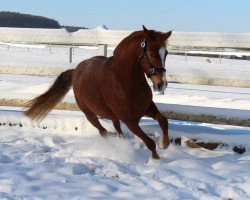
{"type": "Point", "coordinates": [64, 157]}
{"type": "Point", "coordinates": [237, 54]}
{"type": "Point", "coordinates": [61, 163]}
{"type": "Point", "coordinates": [229, 103]}
{"type": "Point", "coordinates": [22, 45]}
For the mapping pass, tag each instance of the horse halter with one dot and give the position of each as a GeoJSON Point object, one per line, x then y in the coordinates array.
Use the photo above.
{"type": "Point", "coordinates": [153, 70]}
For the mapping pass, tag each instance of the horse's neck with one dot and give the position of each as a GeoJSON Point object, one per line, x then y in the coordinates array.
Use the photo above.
{"type": "Point", "coordinates": [126, 66]}
{"type": "Point", "coordinates": [128, 72]}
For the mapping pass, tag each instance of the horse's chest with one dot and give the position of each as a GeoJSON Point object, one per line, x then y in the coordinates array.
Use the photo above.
{"type": "Point", "coordinates": [141, 100]}
{"type": "Point", "coordinates": [131, 103]}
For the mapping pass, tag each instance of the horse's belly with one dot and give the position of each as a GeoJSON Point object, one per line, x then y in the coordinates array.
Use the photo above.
{"type": "Point", "coordinates": [132, 112]}
{"type": "Point", "coordinates": [98, 107]}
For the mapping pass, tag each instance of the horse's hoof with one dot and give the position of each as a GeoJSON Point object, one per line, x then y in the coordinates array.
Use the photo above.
{"type": "Point", "coordinates": [111, 134]}
{"type": "Point", "coordinates": [163, 145]}
{"type": "Point", "coordinates": [121, 136]}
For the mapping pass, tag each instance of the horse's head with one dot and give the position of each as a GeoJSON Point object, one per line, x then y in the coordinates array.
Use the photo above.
{"type": "Point", "coordinates": [152, 57]}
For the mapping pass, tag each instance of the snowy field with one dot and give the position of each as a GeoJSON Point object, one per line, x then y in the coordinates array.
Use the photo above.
{"type": "Point", "coordinates": [221, 103]}
{"type": "Point", "coordinates": [58, 161]}
{"type": "Point", "coordinates": [65, 158]}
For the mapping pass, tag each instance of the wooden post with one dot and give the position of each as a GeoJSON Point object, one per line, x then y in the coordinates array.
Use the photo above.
{"type": "Point", "coordinates": [103, 49]}
{"type": "Point", "coordinates": [70, 54]}
{"type": "Point", "coordinates": [73, 49]}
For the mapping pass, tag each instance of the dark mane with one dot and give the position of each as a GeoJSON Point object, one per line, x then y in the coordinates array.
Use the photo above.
{"type": "Point", "coordinates": [132, 36]}
{"type": "Point", "coordinates": [155, 36]}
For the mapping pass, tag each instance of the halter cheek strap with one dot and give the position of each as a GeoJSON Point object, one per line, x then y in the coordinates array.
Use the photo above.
{"type": "Point", "coordinates": [153, 70]}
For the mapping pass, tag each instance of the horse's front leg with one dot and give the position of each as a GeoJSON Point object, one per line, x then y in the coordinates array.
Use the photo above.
{"type": "Point", "coordinates": [136, 129]}
{"type": "Point", "coordinates": [163, 121]}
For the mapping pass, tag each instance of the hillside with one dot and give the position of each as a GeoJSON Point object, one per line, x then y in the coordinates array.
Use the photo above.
{"type": "Point", "coordinates": [13, 19]}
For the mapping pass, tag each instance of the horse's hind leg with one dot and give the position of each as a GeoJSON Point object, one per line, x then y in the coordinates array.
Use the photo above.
{"type": "Point", "coordinates": [95, 122]}
{"type": "Point", "coordinates": [118, 129]}
{"type": "Point", "coordinates": [136, 129]}
{"type": "Point", "coordinates": [155, 114]}
{"type": "Point", "coordinates": [92, 118]}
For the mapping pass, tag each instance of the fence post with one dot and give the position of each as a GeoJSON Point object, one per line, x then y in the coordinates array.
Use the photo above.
{"type": "Point", "coordinates": [103, 49]}
{"type": "Point", "coordinates": [70, 54]}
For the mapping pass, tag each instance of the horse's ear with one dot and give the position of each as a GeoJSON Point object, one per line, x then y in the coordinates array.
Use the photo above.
{"type": "Point", "coordinates": [145, 29]}
{"type": "Point", "coordinates": [167, 35]}
{"type": "Point", "coordinates": [148, 33]}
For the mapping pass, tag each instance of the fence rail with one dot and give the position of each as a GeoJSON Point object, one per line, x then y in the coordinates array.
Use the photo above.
{"type": "Point", "coordinates": [102, 37]}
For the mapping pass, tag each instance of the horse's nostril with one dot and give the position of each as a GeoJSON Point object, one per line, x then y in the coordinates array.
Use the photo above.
{"type": "Point", "coordinates": [155, 87]}
{"type": "Point", "coordinates": [160, 86]}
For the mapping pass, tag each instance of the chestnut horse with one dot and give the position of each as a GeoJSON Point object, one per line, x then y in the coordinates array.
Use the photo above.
{"type": "Point", "coordinates": [116, 87]}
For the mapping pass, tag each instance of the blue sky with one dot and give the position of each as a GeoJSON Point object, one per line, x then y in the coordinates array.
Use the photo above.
{"type": "Point", "coordinates": [178, 15]}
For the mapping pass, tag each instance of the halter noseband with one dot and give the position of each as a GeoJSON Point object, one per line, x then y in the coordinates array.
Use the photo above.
{"type": "Point", "coordinates": [153, 70]}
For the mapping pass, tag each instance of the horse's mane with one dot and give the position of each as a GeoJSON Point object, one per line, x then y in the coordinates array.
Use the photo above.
{"type": "Point", "coordinates": [139, 34]}
{"type": "Point", "coordinates": [132, 36]}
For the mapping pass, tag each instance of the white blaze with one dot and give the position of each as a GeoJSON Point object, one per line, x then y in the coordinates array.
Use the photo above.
{"type": "Point", "coordinates": [162, 52]}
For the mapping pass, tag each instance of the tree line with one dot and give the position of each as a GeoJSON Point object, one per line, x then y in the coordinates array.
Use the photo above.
{"type": "Point", "coordinates": [19, 20]}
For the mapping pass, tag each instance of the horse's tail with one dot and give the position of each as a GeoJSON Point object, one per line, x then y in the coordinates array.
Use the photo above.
{"type": "Point", "coordinates": [41, 105]}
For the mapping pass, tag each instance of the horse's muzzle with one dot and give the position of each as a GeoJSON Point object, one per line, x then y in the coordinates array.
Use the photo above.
{"type": "Point", "coordinates": [160, 87]}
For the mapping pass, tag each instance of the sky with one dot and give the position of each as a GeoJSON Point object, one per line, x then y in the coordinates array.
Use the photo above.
{"type": "Point", "coordinates": [163, 15]}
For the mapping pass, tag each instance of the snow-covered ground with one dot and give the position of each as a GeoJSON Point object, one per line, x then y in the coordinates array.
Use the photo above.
{"type": "Point", "coordinates": [65, 158]}
{"type": "Point", "coordinates": [223, 103]}
{"type": "Point", "coordinates": [28, 87]}
{"type": "Point", "coordinates": [58, 161]}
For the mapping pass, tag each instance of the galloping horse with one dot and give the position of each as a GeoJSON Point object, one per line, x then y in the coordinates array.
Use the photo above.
{"type": "Point", "coordinates": [116, 87]}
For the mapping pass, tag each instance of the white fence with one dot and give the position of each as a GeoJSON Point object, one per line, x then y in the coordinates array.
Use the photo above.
{"type": "Point", "coordinates": [113, 37]}
{"type": "Point", "coordinates": [102, 37]}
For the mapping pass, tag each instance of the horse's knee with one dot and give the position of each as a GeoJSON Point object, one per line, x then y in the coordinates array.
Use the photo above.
{"type": "Point", "coordinates": [161, 118]}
